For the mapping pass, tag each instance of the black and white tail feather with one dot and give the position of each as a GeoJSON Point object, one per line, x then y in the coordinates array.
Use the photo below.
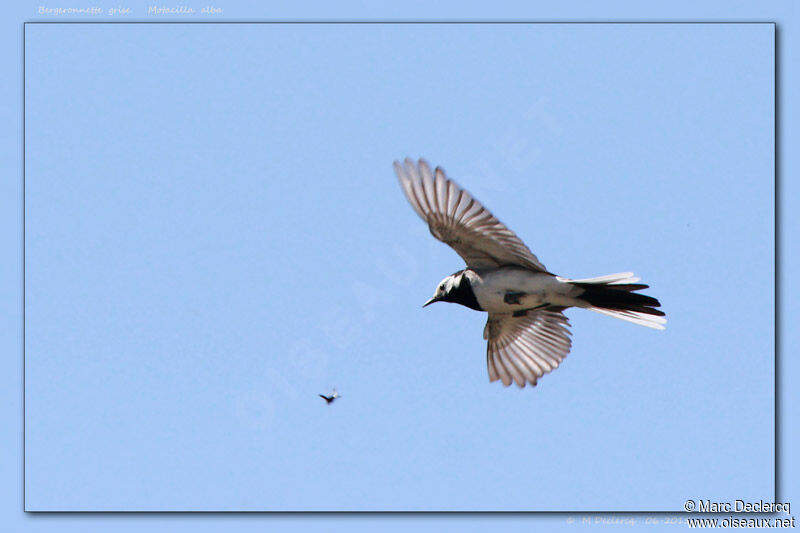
{"type": "Point", "coordinates": [615, 295]}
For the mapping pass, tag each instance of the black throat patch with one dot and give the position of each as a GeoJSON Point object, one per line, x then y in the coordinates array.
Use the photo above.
{"type": "Point", "coordinates": [463, 294]}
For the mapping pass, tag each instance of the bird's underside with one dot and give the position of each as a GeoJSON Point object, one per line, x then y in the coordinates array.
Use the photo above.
{"type": "Point", "coordinates": [527, 332]}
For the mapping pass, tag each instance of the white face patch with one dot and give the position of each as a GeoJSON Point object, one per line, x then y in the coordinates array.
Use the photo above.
{"type": "Point", "coordinates": [447, 284]}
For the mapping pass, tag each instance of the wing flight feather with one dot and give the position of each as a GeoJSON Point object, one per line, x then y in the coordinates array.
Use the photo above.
{"type": "Point", "coordinates": [457, 219]}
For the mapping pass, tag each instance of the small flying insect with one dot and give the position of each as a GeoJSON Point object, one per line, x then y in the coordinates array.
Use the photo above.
{"type": "Point", "coordinates": [330, 399]}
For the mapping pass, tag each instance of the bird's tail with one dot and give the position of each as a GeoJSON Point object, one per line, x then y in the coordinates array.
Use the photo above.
{"type": "Point", "coordinates": [615, 295]}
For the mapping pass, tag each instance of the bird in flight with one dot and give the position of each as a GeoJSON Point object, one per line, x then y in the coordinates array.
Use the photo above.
{"type": "Point", "coordinates": [330, 399]}
{"type": "Point", "coordinates": [527, 333]}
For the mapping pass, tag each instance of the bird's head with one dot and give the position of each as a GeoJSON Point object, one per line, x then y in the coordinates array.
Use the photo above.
{"type": "Point", "coordinates": [446, 288]}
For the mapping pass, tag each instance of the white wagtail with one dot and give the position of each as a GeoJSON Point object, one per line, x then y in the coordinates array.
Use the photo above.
{"type": "Point", "coordinates": [330, 399]}
{"type": "Point", "coordinates": [526, 330]}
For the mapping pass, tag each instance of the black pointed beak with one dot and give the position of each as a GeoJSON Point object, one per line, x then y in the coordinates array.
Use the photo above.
{"type": "Point", "coordinates": [432, 300]}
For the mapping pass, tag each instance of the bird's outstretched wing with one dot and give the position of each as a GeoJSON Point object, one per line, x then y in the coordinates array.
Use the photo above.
{"type": "Point", "coordinates": [523, 349]}
{"type": "Point", "coordinates": [457, 219]}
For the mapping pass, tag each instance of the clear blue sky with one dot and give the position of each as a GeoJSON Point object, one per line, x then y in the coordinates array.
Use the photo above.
{"type": "Point", "coordinates": [215, 235]}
